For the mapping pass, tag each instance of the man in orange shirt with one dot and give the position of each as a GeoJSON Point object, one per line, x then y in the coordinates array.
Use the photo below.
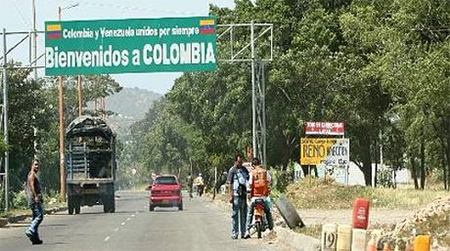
{"type": "Point", "coordinates": [259, 188]}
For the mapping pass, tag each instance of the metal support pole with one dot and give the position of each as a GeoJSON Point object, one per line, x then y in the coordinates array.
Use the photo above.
{"type": "Point", "coordinates": [5, 120]}
{"type": "Point", "coordinates": [34, 38]}
{"type": "Point", "coordinates": [62, 171]}
{"type": "Point", "coordinates": [79, 96]}
{"type": "Point", "coordinates": [252, 36]}
{"type": "Point", "coordinates": [263, 112]}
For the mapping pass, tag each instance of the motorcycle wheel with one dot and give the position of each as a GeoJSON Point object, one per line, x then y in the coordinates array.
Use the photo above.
{"type": "Point", "coordinates": [258, 227]}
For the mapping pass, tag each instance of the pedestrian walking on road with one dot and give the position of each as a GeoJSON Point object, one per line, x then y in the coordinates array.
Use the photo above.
{"type": "Point", "coordinates": [190, 183]}
{"type": "Point", "coordinates": [237, 182]}
{"type": "Point", "coordinates": [34, 197]}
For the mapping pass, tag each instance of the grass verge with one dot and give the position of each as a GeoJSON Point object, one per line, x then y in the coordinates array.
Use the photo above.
{"type": "Point", "coordinates": [325, 194]}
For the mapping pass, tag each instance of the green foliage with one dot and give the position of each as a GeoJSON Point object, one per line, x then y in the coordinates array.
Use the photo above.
{"type": "Point", "coordinates": [281, 178]}
{"type": "Point", "coordinates": [384, 177]}
{"type": "Point", "coordinates": [380, 67]}
{"type": "Point", "coordinates": [19, 200]}
{"type": "Point", "coordinates": [33, 105]}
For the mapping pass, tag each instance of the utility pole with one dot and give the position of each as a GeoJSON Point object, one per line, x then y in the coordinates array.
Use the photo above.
{"type": "Point", "coordinates": [5, 120]}
{"type": "Point", "coordinates": [79, 96]}
{"type": "Point", "coordinates": [33, 62]}
{"type": "Point", "coordinates": [260, 34]}
{"type": "Point", "coordinates": [62, 170]}
{"type": "Point", "coordinates": [33, 39]}
{"type": "Point", "coordinates": [252, 46]}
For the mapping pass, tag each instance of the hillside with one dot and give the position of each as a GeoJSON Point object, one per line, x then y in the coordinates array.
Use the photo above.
{"type": "Point", "coordinates": [130, 105]}
{"type": "Point", "coordinates": [131, 102]}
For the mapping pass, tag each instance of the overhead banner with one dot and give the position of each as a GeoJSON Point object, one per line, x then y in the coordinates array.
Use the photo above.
{"type": "Point", "coordinates": [130, 45]}
{"type": "Point", "coordinates": [328, 151]}
{"type": "Point", "coordinates": [324, 128]}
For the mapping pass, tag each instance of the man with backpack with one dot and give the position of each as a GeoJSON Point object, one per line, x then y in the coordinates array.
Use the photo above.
{"type": "Point", "coordinates": [237, 179]}
{"type": "Point", "coordinates": [258, 188]}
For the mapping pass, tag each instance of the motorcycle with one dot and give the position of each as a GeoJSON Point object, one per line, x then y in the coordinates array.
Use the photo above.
{"type": "Point", "coordinates": [259, 218]}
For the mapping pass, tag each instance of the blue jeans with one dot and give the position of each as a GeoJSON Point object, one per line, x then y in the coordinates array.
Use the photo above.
{"type": "Point", "coordinates": [267, 212]}
{"type": "Point", "coordinates": [239, 216]}
{"type": "Point", "coordinates": [38, 216]}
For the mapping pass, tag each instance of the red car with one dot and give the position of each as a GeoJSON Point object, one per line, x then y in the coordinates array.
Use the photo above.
{"type": "Point", "coordinates": [165, 192]}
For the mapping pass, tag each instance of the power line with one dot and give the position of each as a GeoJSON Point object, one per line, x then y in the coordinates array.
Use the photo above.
{"type": "Point", "coordinates": [24, 20]}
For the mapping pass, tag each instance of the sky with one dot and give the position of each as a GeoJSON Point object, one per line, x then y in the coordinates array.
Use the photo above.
{"type": "Point", "coordinates": [16, 15]}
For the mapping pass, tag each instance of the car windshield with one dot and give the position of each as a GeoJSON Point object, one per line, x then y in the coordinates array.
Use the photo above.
{"type": "Point", "coordinates": [167, 180]}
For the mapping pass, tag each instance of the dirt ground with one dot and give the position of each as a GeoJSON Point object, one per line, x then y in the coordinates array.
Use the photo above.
{"type": "Point", "coordinates": [376, 217]}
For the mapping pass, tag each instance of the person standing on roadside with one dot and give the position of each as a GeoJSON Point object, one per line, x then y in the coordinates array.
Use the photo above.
{"type": "Point", "coordinates": [34, 197]}
{"type": "Point", "coordinates": [237, 179]}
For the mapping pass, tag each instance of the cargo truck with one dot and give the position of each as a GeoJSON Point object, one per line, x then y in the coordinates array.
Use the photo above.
{"type": "Point", "coordinates": [90, 164]}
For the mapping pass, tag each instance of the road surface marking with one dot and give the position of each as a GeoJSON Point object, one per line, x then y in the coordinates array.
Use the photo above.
{"type": "Point", "coordinates": [133, 215]}
{"type": "Point", "coordinates": [107, 238]}
{"type": "Point", "coordinates": [117, 229]}
{"type": "Point", "coordinates": [128, 219]}
{"type": "Point", "coordinates": [123, 223]}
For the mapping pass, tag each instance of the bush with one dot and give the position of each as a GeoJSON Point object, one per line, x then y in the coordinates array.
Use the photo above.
{"type": "Point", "coordinates": [19, 200]}
{"type": "Point", "coordinates": [281, 178]}
{"type": "Point", "coordinates": [384, 178]}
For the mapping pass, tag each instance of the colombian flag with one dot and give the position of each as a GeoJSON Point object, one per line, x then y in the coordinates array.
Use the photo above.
{"type": "Point", "coordinates": [53, 31]}
{"type": "Point", "coordinates": [207, 26]}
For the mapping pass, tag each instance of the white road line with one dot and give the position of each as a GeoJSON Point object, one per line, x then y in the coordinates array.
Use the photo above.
{"type": "Point", "coordinates": [123, 223]}
{"type": "Point", "coordinates": [107, 238]}
{"type": "Point", "coordinates": [117, 229]}
{"type": "Point", "coordinates": [128, 219]}
{"type": "Point", "coordinates": [133, 215]}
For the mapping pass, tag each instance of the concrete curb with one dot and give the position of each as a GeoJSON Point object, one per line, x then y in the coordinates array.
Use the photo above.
{"type": "Point", "coordinates": [16, 218]}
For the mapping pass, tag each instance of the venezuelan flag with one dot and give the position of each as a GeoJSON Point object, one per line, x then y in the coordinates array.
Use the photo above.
{"type": "Point", "coordinates": [207, 26]}
{"type": "Point", "coordinates": [53, 31]}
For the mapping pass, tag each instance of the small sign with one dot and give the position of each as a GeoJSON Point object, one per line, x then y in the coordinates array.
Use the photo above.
{"type": "Point", "coordinates": [324, 128]}
{"type": "Point", "coordinates": [328, 151]}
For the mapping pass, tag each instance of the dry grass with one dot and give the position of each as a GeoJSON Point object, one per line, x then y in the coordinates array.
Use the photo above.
{"type": "Point", "coordinates": [310, 230]}
{"type": "Point", "coordinates": [325, 194]}
{"type": "Point", "coordinates": [14, 212]}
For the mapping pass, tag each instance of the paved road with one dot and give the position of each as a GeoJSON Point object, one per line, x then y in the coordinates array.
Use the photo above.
{"type": "Point", "coordinates": [200, 227]}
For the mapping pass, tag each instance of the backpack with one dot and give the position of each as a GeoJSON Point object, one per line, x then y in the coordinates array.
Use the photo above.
{"type": "Point", "coordinates": [260, 183]}
{"type": "Point", "coordinates": [241, 188]}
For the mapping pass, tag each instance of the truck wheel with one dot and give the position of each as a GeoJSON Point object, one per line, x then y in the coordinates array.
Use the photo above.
{"type": "Point", "coordinates": [180, 206]}
{"type": "Point", "coordinates": [112, 207]}
{"type": "Point", "coordinates": [289, 213]}
{"type": "Point", "coordinates": [109, 205]}
{"type": "Point", "coordinates": [70, 205]}
{"type": "Point", "coordinates": [151, 207]}
{"type": "Point", "coordinates": [106, 207]}
{"type": "Point", "coordinates": [77, 205]}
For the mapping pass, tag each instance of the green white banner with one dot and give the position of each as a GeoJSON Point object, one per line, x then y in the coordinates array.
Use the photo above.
{"type": "Point", "coordinates": [130, 45]}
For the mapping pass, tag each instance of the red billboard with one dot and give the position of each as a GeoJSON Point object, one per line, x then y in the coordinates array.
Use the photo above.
{"type": "Point", "coordinates": [324, 128]}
